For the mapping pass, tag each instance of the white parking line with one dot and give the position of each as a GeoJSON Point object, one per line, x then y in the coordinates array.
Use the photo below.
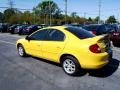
{"type": "Point", "coordinates": [7, 42]}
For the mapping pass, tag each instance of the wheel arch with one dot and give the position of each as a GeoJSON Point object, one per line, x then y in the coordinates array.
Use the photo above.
{"type": "Point", "coordinates": [18, 44]}
{"type": "Point", "coordinates": [64, 55]}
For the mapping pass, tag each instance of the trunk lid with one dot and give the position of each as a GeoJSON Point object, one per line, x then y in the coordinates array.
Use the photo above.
{"type": "Point", "coordinates": [103, 41]}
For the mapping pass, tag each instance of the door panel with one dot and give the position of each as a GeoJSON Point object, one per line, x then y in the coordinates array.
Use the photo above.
{"type": "Point", "coordinates": [54, 45]}
{"type": "Point", "coordinates": [52, 50]}
{"type": "Point", "coordinates": [34, 48]}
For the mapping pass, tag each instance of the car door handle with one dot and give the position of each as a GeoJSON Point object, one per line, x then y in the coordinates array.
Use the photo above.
{"type": "Point", "coordinates": [58, 47]}
{"type": "Point", "coordinates": [38, 45]}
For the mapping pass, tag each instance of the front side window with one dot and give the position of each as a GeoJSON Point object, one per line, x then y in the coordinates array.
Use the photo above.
{"type": "Point", "coordinates": [39, 35]}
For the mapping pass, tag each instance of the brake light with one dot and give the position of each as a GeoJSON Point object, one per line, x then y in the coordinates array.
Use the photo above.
{"type": "Point", "coordinates": [94, 32]}
{"type": "Point", "coordinates": [95, 48]}
{"type": "Point", "coordinates": [116, 34]}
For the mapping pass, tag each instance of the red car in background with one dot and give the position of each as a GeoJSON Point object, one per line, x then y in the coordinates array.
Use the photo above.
{"type": "Point", "coordinates": [115, 37]}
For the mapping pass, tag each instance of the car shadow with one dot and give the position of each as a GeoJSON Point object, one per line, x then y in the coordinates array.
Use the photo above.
{"type": "Point", "coordinates": [106, 71]}
{"type": "Point", "coordinates": [81, 73]}
{"type": "Point", "coordinates": [118, 46]}
{"type": "Point", "coordinates": [46, 61]}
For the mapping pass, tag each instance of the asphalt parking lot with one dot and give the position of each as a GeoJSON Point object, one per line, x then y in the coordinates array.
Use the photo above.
{"type": "Point", "coordinates": [17, 73]}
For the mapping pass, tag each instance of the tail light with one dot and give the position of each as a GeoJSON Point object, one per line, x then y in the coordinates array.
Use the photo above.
{"type": "Point", "coordinates": [27, 29]}
{"type": "Point", "coordinates": [94, 32]}
{"type": "Point", "coordinates": [115, 34]}
{"type": "Point", "coordinates": [95, 48]}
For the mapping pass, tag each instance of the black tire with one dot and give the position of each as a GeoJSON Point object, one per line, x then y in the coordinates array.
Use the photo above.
{"type": "Point", "coordinates": [21, 51]}
{"type": "Point", "coordinates": [1, 31]}
{"type": "Point", "coordinates": [20, 32]}
{"type": "Point", "coordinates": [75, 65]}
{"type": "Point", "coordinates": [11, 32]}
{"type": "Point", "coordinates": [116, 44]}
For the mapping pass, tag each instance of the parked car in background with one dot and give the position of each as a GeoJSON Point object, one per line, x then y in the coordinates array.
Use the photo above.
{"type": "Point", "coordinates": [115, 27]}
{"type": "Point", "coordinates": [17, 29]}
{"type": "Point", "coordinates": [115, 37]}
{"type": "Point", "coordinates": [0, 27]}
{"type": "Point", "coordinates": [43, 25]}
{"type": "Point", "coordinates": [11, 29]}
{"type": "Point", "coordinates": [21, 28]}
{"type": "Point", "coordinates": [30, 29]}
{"type": "Point", "coordinates": [4, 27]}
{"type": "Point", "coordinates": [75, 25]}
{"type": "Point", "coordinates": [54, 44]}
{"type": "Point", "coordinates": [98, 29]}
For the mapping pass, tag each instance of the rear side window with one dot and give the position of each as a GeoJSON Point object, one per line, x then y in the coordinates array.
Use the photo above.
{"type": "Point", "coordinates": [80, 33]}
{"type": "Point", "coordinates": [55, 35]}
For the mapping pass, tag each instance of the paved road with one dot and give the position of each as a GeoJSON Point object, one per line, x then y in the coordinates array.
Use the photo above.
{"type": "Point", "coordinates": [17, 73]}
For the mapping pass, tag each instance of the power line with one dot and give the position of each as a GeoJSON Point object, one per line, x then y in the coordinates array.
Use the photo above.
{"type": "Point", "coordinates": [18, 8]}
{"type": "Point", "coordinates": [4, 7]}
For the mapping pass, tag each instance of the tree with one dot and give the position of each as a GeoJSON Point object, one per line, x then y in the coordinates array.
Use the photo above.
{"type": "Point", "coordinates": [57, 14]}
{"type": "Point", "coordinates": [90, 19]}
{"type": "Point", "coordinates": [15, 19]}
{"type": "Point", "coordinates": [74, 14]}
{"type": "Point", "coordinates": [111, 19]}
{"type": "Point", "coordinates": [96, 19]}
{"type": "Point", "coordinates": [10, 12]}
{"type": "Point", "coordinates": [27, 17]}
{"type": "Point", "coordinates": [47, 8]}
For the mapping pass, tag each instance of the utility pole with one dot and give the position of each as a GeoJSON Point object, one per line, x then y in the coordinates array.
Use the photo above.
{"type": "Point", "coordinates": [85, 14]}
{"type": "Point", "coordinates": [65, 11]}
{"type": "Point", "coordinates": [50, 11]}
{"type": "Point", "coordinates": [118, 18]}
{"type": "Point", "coordinates": [85, 17]}
{"type": "Point", "coordinates": [11, 4]}
{"type": "Point", "coordinates": [99, 5]}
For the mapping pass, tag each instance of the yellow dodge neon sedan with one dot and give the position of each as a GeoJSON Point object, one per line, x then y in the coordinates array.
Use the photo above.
{"type": "Point", "coordinates": [72, 47]}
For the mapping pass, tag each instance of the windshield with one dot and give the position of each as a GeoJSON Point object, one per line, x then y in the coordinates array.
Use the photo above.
{"type": "Point", "coordinates": [80, 33]}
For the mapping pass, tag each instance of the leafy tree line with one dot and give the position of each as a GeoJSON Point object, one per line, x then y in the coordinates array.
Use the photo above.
{"type": "Point", "coordinates": [42, 13]}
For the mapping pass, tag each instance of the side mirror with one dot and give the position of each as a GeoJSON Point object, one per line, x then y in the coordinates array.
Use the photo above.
{"type": "Point", "coordinates": [28, 38]}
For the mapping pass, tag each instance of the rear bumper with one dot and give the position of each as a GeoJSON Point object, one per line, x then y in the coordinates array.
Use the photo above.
{"type": "Point", "coordinates": [103, 60]}
{"type": "Point", "coordinates": [97, 66]}
{"type": "Point", "coordinates": [95, 61]}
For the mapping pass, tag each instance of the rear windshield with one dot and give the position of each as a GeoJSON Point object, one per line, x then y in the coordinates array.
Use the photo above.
{"type": "Point", "coordinates": [80, 33]}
